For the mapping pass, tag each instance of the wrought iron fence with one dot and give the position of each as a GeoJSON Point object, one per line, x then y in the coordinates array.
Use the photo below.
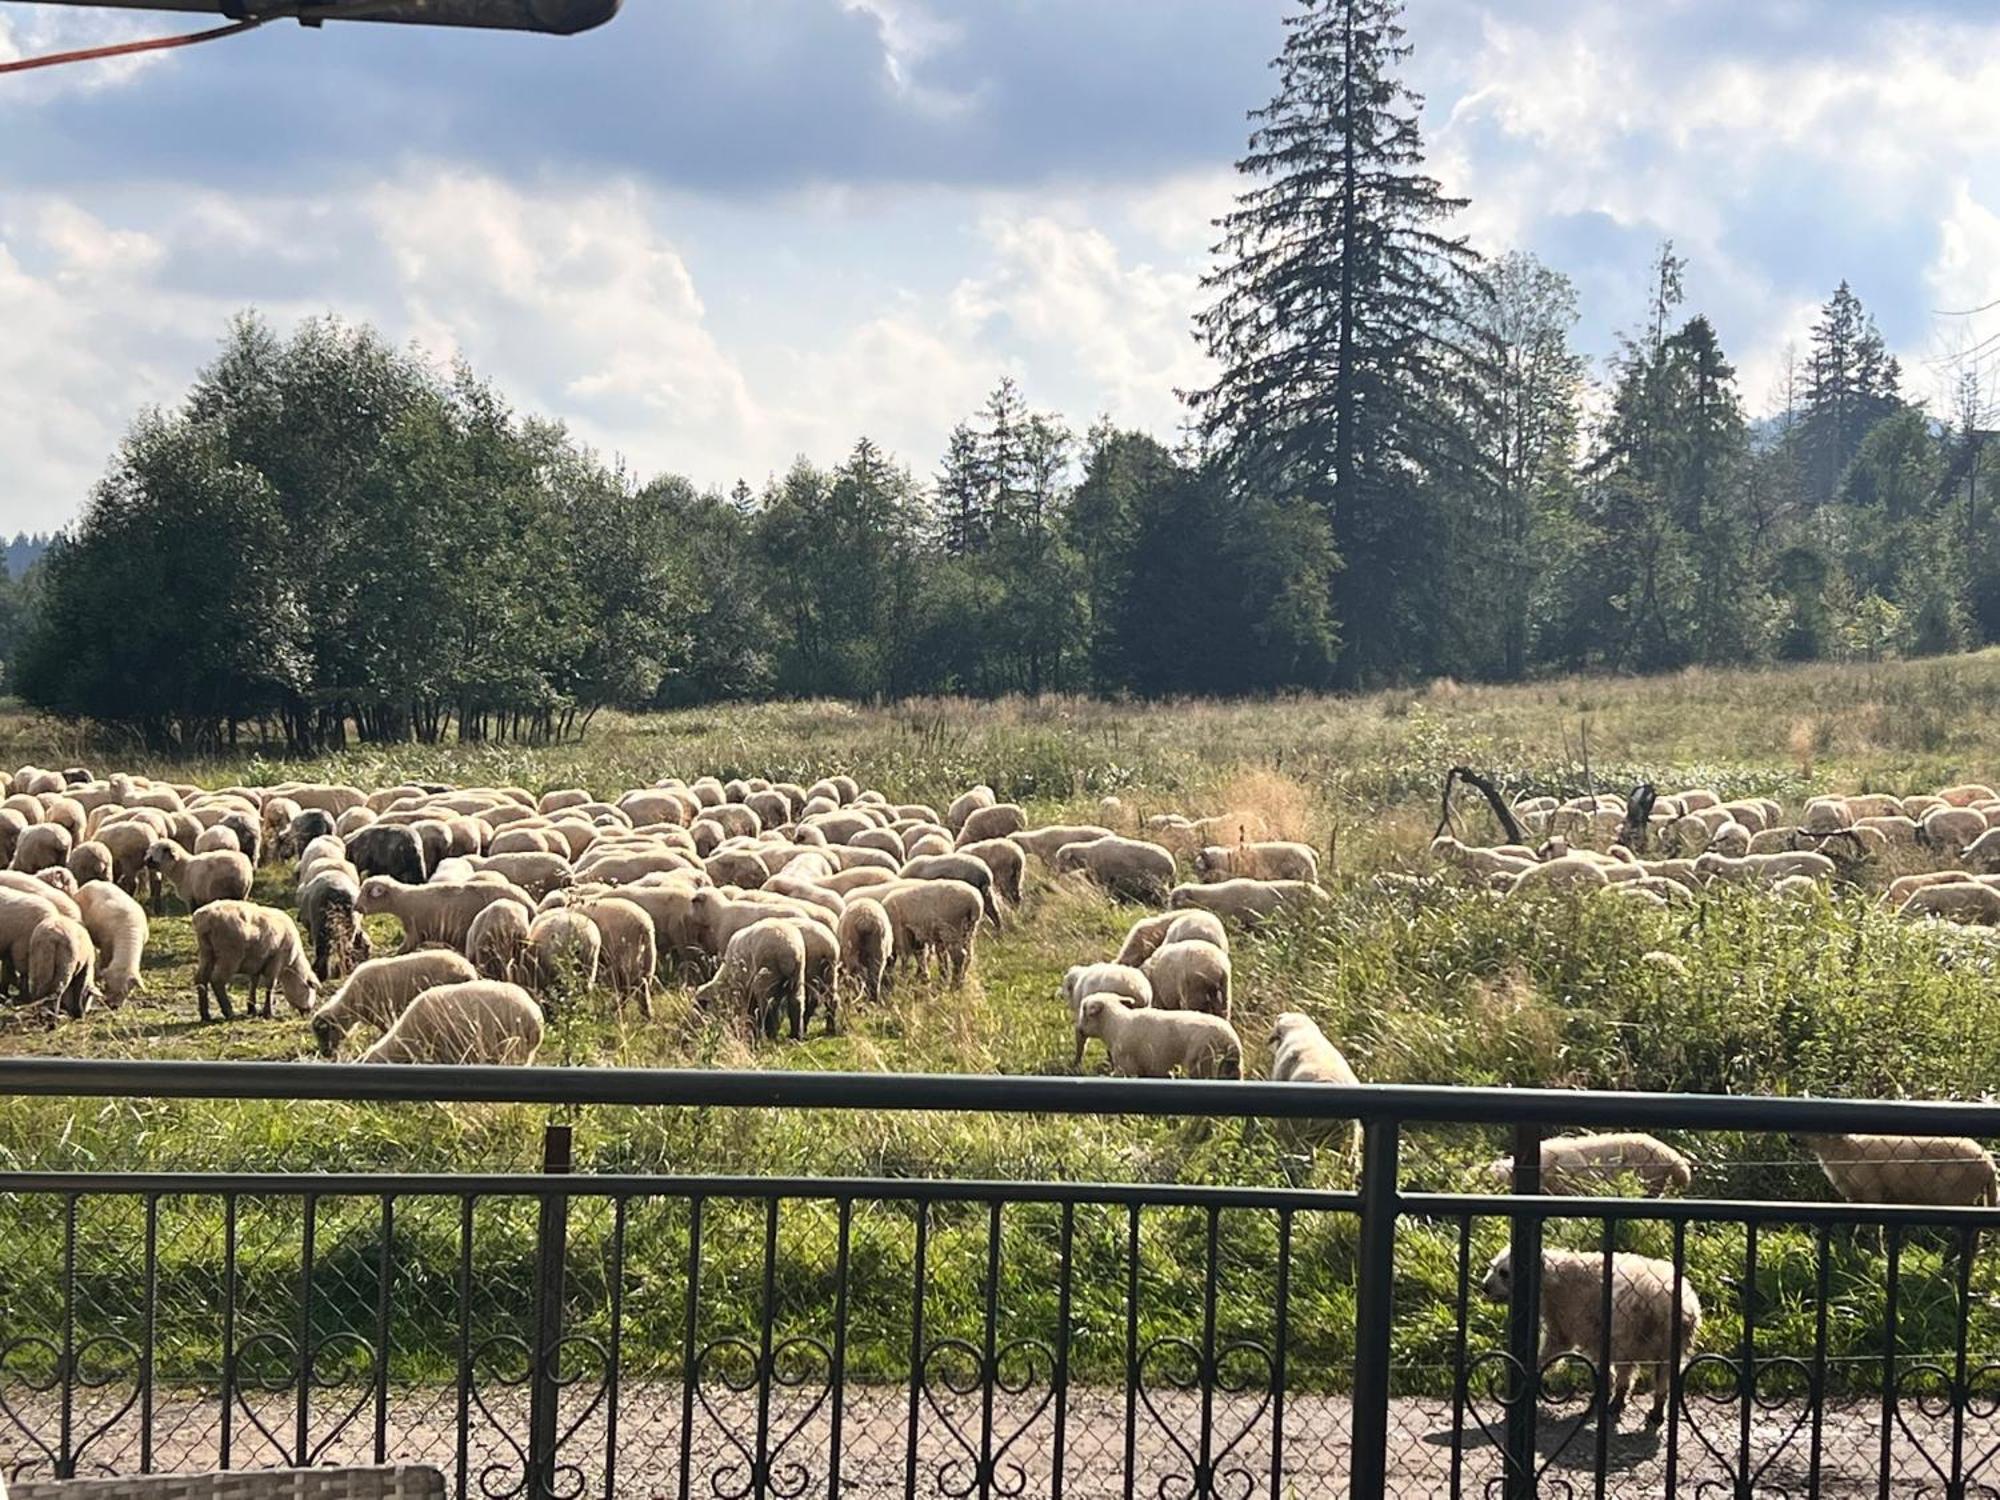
{"type": "Point", "coordinates": [569, 1334]}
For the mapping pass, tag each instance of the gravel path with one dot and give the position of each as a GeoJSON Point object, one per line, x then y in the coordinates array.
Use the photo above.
{"type": "Point", "coordinates": [875, 1443]}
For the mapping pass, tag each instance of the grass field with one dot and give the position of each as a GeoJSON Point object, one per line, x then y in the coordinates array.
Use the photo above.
{"type": "Point", "coordinates": [1431, 983]}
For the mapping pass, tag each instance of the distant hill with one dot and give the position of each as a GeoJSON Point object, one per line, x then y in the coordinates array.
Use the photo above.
{"type": "Point", "coordinates": [24, 552]}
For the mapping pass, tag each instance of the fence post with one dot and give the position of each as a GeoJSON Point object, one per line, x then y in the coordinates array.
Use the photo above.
{"type": "Point", "coordinates": [1524, 1318]}
{"type": "Point", "coordinates": [1374, 1293]}
{"type": "Point", "coordinates": [545, 1356]}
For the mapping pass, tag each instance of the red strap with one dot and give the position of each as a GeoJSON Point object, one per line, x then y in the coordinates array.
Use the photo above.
{"type": "Point", "coordinates": [126, 49]}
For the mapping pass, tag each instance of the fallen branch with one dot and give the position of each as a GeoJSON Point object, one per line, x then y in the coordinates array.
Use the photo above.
{"type": "Point", "coordinates": [1493, 800]}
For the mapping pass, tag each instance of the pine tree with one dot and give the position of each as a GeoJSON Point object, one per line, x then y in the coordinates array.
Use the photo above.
{"type": "Point", "coordinates": [1346, 366]}
{"type": "Point", "coordinates": [1851, 384]}
{"type": "Point", "coordinates": [960, 491]}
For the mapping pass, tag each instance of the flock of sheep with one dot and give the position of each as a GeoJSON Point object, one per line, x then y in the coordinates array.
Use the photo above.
{"type": "Point", "coordinates": [785, 903]}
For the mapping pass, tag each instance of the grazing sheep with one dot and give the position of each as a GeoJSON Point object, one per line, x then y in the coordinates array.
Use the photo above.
{"type": "Point", "coordinates": [867, 945]}
{"type": "Point", "coordinates": [303, 829]}
{"type": "Point", "coordinates": [239, 939]}
{"type": "Point", "coordinates": [1950, 829]}
{"type": "Point", "coordinates": [1008, 864]}
{"type": "Point", "coordinates": [91, 860]}
{"type": "Point", "coordinates": [995, 822]}
{"type": "Point", "coordinates": [434, 913]}
{"type": "Point", "coordinates": [1190, 976]}
{"type": "Point", "coordinates": [117, 925]}
{"type": "Point", "coordinates": [333, 932]}
{"type": "Point", "coordinates": [476, 1021]}
{"type": "Point", "coordinates": [388, 849]}
{"type": "Point", "coordinates": [1271, 860]}
{"type": "Point", "coordinates": [1046, 843]}
{"type": "Point", "coordinates": [41, 846]}
{"type": "Point", "coordinates": [222, 875]}
{"type": "Point", "coordinates": [1575, 1164]}
{"type": "Point", "coordinates": [974, 872]}
{"type": "Point", "coordinates": [763, 972]}
{"type": "Point", "coordinates": [630, 950]}
{"type": "Point", "coordinates": [1197, 927]}
{"type": "Point", "coordinates": [377, 992]}
{"type": "Point", "coordinates": [1570, 872]}
{"type": "Point", "coordinates": [1644, 1318]}
{"type": "Point", "coordinates": [1145, 938]}
{"type": "Point", "coordinates": [497, 942]}
{"type": "Point", "coordinates": [1301, 1053]}
{"type": "Point", "coordinates": [1155, 1043]}
{"type": "Point", "coordinates": [941, 915]}
{"type": "Point", "coordinates": [1932, 1170]}
{"type": "Point", "coordinates": [1245, 901]}
{"type": "Point", "coordinates": [537, 874]}
{"type": "Point", "coordinates": [1958, 901]}
{"type": "Point", "coordinates": [62, 967]}
{"type": "Point", "coordinates": [1082, 981]}
{"type": "Point", "coordinates": [1126, 867]}
{"type": "Point", "coordinates": [966, 804]}
{"type": "Point", "coordinates": [564, 950]}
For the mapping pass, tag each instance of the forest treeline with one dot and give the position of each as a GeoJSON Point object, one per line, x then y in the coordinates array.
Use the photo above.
{"type": "Point", "coordinates": [1404, 469]}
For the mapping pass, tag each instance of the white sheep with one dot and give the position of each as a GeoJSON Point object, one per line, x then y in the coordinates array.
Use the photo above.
{"type": "Point", "coordinates": [117, 925]}
{"type": "Point", "coordinates": [1190, 976]}
{"type": "Point", "coordinates": [41, 846]}
{"type": "Point", "coordinates": [1126, 867]}
{"type": "Point", "coordinates": [1270, 860]}
{"type": "Point", "coordinates": [1145, 938]}
{"type": "Point", "coordinates": [1936, 1171]}
{"type": "Point", "coordinates": [867, 945]}
{"type": "Point", "coordinates": [440, 914]}
{"type": "Point", "coordinates": [239, 939]}
{"type": "Point", "coordinates": [1046, 843]}
{"type": "Point", "coordinates": [91, 860]}
{"type": "Point", "coordinates": [966, 804]}
{"type": "Point", "coordinates": [477, 1021]}
{"type": "Point", "coordinates": [935, 915]}
{"type": "Point", "coordinates": [630, 952]}
{"type": "Point", "coordinates": [378, 991]}
{"type": "Point", "coordinates": [1081, 981]}
{"type": "Point", "coordinates": [1008, 864]}
{"type": "Point", "coordinates": [1575, 1164]}
{"type": "Point", "coordinates": [1301, 1053]}
{"type": "Point", "coordinates": [1957, 901]}
{"type": "Point", "coordinates": [763, 972]}
{"type": "Point", "coordinates": [995, 822]}
{"type": "Point", "coordinates": [1196, 927]}
{"type": "Point", "coordinates": [497, 942]}
{"type": "Point", "coordinates": [62, 967]}
{"type": "Point", "coordinates": [564, 950]}
{"type": "Point", "coordinates": [222, 875]}
{"type": "Point", "coordinates": [1246, 902]}
{"type": "Point", "coordinates": [1644, 1318]}
{"type": "Point", "coordinates": [1157, 1043]}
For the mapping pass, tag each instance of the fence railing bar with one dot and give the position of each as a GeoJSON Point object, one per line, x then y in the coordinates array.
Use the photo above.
{"type": "Point", "coordinates": [1281, 1337]}
{"type": "Point", "coordinates": [1894, 1250]}
{"type": "Point", "coordinates": [384, 1275]}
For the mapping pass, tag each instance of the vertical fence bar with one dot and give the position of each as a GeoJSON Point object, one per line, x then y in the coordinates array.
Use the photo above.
{"type": "Point", "coordinates": [229, 1328]}
{"type": "Point", "coordinates": [989, 1368]}
{"type": "Point", "coordinates": [1281, 1338]}
{"type": "Point", "coordinates": [147, 1358]}
{"type": "Point", "coordinates": [1374, 1307]}
{"type": "Point", "coordinates": [1060, 1375]}
{"type": "Point", "coordinates": [690, 1315]}
{"type": "Point", "coordinates": [1524, 1316]}
{"type": "Point", "coordinates": [384, 1275]}
{"type": "Point", "coordinates": [1676, 1356]}
{"type": "Point", "coordinates": [1131, 1350]}
{"type": "Point", "coordinates": [302, 1415]}
{"type": "Point", "coordinates": [1894, 1272]}
{"type": "Point", "coordinates": [1747, 1355]}
{"type": "Point", "coordinates": [1605, 1380]}
{"type": "Point", "coordinates": [616, 1357]}
{"type": "Point", "coordinates": [840, 1269]}
{"type": "Point", "coordinates": [1821, 1279]}
{"type": "Point", "coordinates": [65, 1457]}
{"type": "Point", "coordinates": [760, 1469]}
{"type": "Point", "coordinates": [551, 1245]}
{"type": "Point", "coordinates": [1461, 1315]}
{"type": "Point", "coordinates": [464, 1342]}
{"type": "Point", "coordinates": [1208, 1372]}
{"type": "Point", "coordinates": [1967, 1240]}
{"type": "Point", "coordinates": [918, 1271]}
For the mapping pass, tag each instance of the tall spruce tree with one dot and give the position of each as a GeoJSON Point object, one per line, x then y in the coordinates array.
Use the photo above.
{"type": "Point", "coordinates": [1347, 368]}
{"type": "Point", "coordinates": [1851, 384]}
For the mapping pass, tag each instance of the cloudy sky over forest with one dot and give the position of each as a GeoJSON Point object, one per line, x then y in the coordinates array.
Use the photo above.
{"type": "Point", "coordinates": [720, 233]}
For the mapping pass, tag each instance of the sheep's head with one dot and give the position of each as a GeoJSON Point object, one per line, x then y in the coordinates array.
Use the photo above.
{"type": "Point", "coordinates": [165, 856]}
{"type": "Point", "coordinates": [377, 891]}
{"type": "Point", "coordinates": [57, 877]}
{"type": "Point", "coordinates": [1498, 1285]}
{"type": "Point", "coordinates": [1093, 1013]}
{"type": "Point", "coordinates": [1286, 1024]}
{"type": "Point", "coordinates": [1211, 861]}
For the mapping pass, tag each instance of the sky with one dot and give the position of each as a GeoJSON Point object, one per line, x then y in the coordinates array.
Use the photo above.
{"type": "Point", "coordinates": [719, 234]}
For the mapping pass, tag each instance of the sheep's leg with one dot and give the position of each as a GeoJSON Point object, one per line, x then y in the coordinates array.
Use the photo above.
{"type": "Point", "coordinates": [1078, 1063]}
{"type": "Point", "coordinates": [221, 989]}
{"type": "Point", "coordinates": [1619, 1390]}
{"type": "Point", "coordinates": [1657, 1373]}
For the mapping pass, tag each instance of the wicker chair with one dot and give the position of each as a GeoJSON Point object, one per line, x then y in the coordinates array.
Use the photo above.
{"type": "Point", "coordinates": [406, 1483]}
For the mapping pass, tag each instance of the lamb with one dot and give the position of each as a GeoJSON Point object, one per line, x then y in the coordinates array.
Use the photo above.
{"type": "Point", "coordinates": [1272, 860]}
{"type": "Point", "coordinates": [1126, 867]}
{"type": "Point", "coordinates": [240, 939]}
{"type": "Point", "coordinates": [117, 925]}
{"type": "Point", "coordinates": [90, 861]}
{"type": "Point", "coordinates": [388, 849]}
{"type": "Point", "coordinates": [1245, 901]}
{"type": "Point", "coordinates": [439, 914]}
{"type": "Point", "coordinates": [333, 932]}
{"type": "Point", "coordinates": [40, 846]}
{"type": "Point", "coordinates": [564, 950]}
{"type": "Point", "coordinates": [1574, 1164]}
{"type": "Point", "coordinates": [1935, 1171]}
{"type": "Point", "coordinates": [378, 991]}
{"type": "Point", "coordinates": [1301, 1053]}
{"type": "Point", "coordinates": [763, 970]}
{"type": "Point", "coordinates": [867, 945]}
{"type": "Point", "coordinates": [1645, 1322]}
{"type": "Point", "coordinates": [475, 1021]}
{"type": "Point", "coordinates": [62, 967]}
{"type": "Point", "coordinates": [1190, 976]}
{"type": "Point", "coordinates": [995, 822]}
{"type": "Point", "coordinates": [1082, 981]}
{"type": "Point", "coordinates": [1156, 1043]}
{"type": "Point", "coordinates": [497, 942]}
{"type": "Point", "coordinates": [935, 914]}
{"type": "Point", "coordinates": [201, 878]}
{"type": "Point", "coordinates": [1145, 938]}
